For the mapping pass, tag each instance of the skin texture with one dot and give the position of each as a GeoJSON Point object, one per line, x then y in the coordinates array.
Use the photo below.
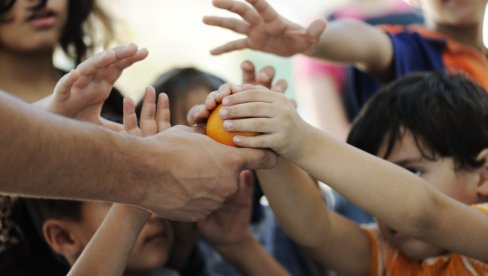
{"type": "Point", "coordinates": [158, 172]}
{"type": "Point", "coordinates": [420, 208]}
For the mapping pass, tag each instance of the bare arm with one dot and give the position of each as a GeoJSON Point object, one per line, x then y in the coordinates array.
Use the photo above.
{"type": "Point", "coordinates": [344, 41]}
{"type": "Point", "coordinates": [115, 238]}
{"type": "Point", "coordinates": [72, 159]}
{"type": "Point", "coordinates": [411, 205]}
{"type": "Point", "coordinates": [336, 242]}
{"type": "Point", "coordinates": [227, 230]}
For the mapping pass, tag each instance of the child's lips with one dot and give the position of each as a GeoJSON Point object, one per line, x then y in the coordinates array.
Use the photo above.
{"type": "Point", "coordinates": [42, 19]}
{"type": "Point", "coordinates": [156, 237]}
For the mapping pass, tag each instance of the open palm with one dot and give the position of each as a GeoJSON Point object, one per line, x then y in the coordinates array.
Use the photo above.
{"type": "Point", "coordinates": [264, 28]}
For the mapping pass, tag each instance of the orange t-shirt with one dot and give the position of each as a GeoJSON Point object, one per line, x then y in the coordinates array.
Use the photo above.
{"type": "Point", "coordinates": [386, 260]}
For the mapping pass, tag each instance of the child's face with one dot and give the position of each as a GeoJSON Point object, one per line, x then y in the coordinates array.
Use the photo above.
{"type": "Point", "coordinates": [454, 12]}
{"type": "Point", "coordinates": [442, 175]}
{"type": "Point", "coordinates": [152, 246]}
{"type": "Point", "coordinates": [38, 30]}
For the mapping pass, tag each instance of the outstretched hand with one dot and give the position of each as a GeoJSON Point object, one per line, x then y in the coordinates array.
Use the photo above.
{"type": "Point", "coordinates": [198, 114]}
{"type": "Point", "coordinates": [80, 94]}
{"type": "Point", "coordinates": [264, 28]}
{"type": "Point", "coordinates": [154, 118]}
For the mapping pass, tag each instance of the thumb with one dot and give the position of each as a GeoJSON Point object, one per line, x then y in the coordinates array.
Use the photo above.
{"type": "Point", "coordinates": [316, 28]}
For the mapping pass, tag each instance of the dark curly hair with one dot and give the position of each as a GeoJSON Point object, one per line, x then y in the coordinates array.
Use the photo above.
{"type": "Point", "coordinates": [446, 114]}
{"type": "Point", "coordinates": [78, 38]}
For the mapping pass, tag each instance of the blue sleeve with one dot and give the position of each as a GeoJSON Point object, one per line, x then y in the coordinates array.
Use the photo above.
{"type": "Point", "coordinates": [411, 53]}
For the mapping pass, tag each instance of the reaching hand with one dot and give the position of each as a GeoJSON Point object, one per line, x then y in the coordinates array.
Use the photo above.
{"type": "Point", "coordinates": [258, 109]}
{"type": "Point", "coordinates": [154, 119]}
{"type": "Point", "coordinates": [229, 225]}
{"type": "Point", "coordinates": [264, 28]}
{"type": "Point", "coordinates": [80, 94]}
{"type": "Point", "coordinates": [199, 114]}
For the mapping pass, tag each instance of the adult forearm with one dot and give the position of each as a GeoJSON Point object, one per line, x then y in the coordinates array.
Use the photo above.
{"type": "Point", "coordinates": [49, 156]}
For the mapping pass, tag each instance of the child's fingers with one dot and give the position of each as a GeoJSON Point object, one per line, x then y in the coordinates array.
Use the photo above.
{"type": "Point", "coordinates": [148, 113]}
{"type": "Point", "coordinates": [62, 90]}
{"type": "Point", "coordinates": [267, 13]}
{"type": "Point", "coordinates": [130, 117]}
{"type": "Point", "coordinates": [90, 66]}
{"type": "Point", "coordinates": [265, 76]}
{"type": "Point", "coordinates": [163, 112]}
{"type": "Point", "coordinates": [126, 62]}
{"type": "Point", "coordinates": [259, 125]}
{"type": "Point", "coordinates": [280, 86]}
{"type": "Point", "coordinates": [248, 72]}
{"type": "Point", "coordinates": [210, 101]}
{"type": "Point", "coordinates": [197, 114]}
{"type": "Point", "coordinates": [249, 110]}
{"type": "Point", "coordinates": [242, 9]}
{"type": "Point", "coordinates": [316, 28]}
{"type": "Point", "coordinates": [252, 95]}
{"type": "Point", "coordinates": [125, 51]}
{"type": "Point", "coordinates": [238, 44]}
{"type": "Point", "coordinates": [259, 141]}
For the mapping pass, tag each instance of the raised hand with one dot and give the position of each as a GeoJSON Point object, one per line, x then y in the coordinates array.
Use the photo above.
{"type": "Point", "coordinates": [81, 93]}
{"type": "Point", "coordinates": [153, 119]}
{"type": "Point", "coordinates": [264, 28]}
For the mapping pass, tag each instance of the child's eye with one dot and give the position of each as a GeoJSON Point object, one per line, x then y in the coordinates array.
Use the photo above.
{"type": "Point", "coordinates": [417, 172]}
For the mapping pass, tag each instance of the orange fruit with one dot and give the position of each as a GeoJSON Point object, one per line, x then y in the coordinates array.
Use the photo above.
{"type": "Point", "coordinates": [215, 129]}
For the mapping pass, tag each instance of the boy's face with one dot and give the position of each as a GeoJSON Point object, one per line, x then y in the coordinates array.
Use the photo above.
{"type": "Point", "coordinates": [152, 246]}
{"type": "Point", "coordinates": [29, 30]}
{"type": "Point", "coordinates": [454, 12]}
{"type": "Point", "coordinates": [193, 97]}
{"type": "Point", "coordinates": [442, 175]}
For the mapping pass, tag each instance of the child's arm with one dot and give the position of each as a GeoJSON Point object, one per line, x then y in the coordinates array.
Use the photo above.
{"type": "Point", "coordinates": [395, 196]}
{"type": "Point", "coordinates": [81, 93]}
{"type": "Point", "coordinates": [109, 249]}
{"type": "Point", "coordinates": [344, 41]}
{"type": "Point", "coordinates": [227, 230]}
{"type": "Point", "coordinates": [119, 230]}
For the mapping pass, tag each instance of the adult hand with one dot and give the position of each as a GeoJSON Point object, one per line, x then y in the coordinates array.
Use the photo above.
{"type": "Point", "coordinates": [264, 28]}
{"type": "Point", "coordinates": [191, 174]}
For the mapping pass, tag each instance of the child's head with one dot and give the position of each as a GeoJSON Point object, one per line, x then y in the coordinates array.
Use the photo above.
{"type": "Point", "coordinates": [67, 227]}
{"type": "Point", "coordinates": [32, 26]}
{"type": "Point", "coordinates": [435, 125]}
{"type": "Point", "coordinates": [185, 88]}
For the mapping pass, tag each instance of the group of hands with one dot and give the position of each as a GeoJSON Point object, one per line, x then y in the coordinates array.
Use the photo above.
{"type": "Point", "coordinates": [80, 95]}
{"type": "Point", "coordinates": [257, 105]}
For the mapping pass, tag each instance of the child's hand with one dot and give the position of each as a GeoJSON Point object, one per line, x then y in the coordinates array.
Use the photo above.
{"type": "Point", "coordinates": [154, 119]}
{"type": "Point", "coordinates": [264, 28]}
{"type": "Point", "coordinates": [81, 93]}
{"type": "Point", "coordinates": [230, 224]}
{"type": "Point", "coordinates": [265, 77]}
{"type": "Point", "coordinates": [258, 109]}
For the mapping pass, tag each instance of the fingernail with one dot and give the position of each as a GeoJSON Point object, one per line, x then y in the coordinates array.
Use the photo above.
{"type": "Point", "coordinates": [225, 101]}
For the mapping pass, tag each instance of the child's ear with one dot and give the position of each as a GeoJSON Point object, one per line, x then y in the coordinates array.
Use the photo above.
{"type": "Point", "coordinates": [60, 238]}
{"type": "Point", "coordinates": [483, 183]}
